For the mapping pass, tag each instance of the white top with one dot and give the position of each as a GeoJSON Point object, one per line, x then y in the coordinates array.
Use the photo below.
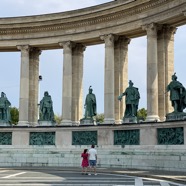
{"type": "Point", "coordinates": [92, 154]}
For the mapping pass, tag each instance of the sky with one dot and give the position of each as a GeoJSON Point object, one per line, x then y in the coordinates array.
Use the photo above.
{"type": "Point", "coordinates": [51, 61]}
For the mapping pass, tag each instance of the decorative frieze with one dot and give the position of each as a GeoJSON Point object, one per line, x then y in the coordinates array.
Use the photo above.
{"type": "Point", "coordinates": [87, 21]}
{"type": "Point", "coordinates": [127, 137]}
{"type": "Point", "coordinates": [42, 138]}
{"type": "Point", "coordinates": [84, 137]}
{"type": "Point", "coordinates": [170, 136]}
{"type": "Point", "coordinates": [5, 138]}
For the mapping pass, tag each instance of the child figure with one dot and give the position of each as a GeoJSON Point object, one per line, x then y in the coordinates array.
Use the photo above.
{"type": "Point", "coordinates": [84, 163]}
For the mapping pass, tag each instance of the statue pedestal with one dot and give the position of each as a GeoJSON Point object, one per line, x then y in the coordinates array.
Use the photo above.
{"type": "Point", "coordinates": [130, 120]}
{"type": "Point", "coordinates": [46, 123]}
{"type": "Point", "coordinates": [87, 121]}
{"type": "Point", "coordinates": [176, 116]}
{"type": "Point", "coordinates": [4, 123]}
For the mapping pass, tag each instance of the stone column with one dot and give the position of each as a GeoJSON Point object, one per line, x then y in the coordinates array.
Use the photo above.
{"type": "Point", "coordinates": [120, 75]}
{"type": "Point", "coordinates": [152, 73]}
{"type": "Point", "coordinates": [33, 85]}
{"type": "Point", "coordinates": [165, 68]}
{"type": "Point", "coordinates": [24, 85]}
{"type": "Point", "coordinates": [109, 78]}
{"type": "Point", "coordinates": [67, 83]}
{"type": "Point", "coordinates": [77, 83]}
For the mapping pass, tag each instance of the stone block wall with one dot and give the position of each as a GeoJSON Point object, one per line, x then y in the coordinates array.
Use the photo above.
{"type": "Point", "coordinates": [125, 146]}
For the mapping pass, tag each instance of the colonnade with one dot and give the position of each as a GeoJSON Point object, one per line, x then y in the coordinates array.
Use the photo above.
{"type": "Point", "coordinates": [160, 67]}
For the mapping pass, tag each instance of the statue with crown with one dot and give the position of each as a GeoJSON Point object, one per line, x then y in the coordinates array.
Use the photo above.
{"type": "Point", "coordinates": [177, 98]}
{"type": "Point", "coordinates": [90, 108]}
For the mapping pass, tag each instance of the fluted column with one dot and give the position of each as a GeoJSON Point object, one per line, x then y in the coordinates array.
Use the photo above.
{"type": "Point", "coordinates": [109, 78]}
{"type": "Point", "coordinates": [120, 75]}
{"type": "Point", "coordinates": [24, 85]}
{"type": "Point", "coordinates": [33, 85]}
{"type": "Point", "coordinates": [67, 83]}
{"type": "Point", "coordinates": [77, 83]}
{"type": "Point", "coordinates": [152, 73]}
{"type": "Point", "coordinates": [165, 68]}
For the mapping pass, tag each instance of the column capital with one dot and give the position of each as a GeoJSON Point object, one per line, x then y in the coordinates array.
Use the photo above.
{"type": "Point", "coordinates": [23, 48]}
{"type": "Point", "coordinates": [151, 29]}
{"type": "Point", "coordinates": [67, 45]}
{"type": "Point", "coordinates": [109, 39]}
{"type": "Point", "coordinates": [35, 53]}
{"type": "Point", "coordinates": [169, 31]}
{"type": "Point", "coordinates": [79, 48]}
{"type": "Point", "coordinates": [124, 40]}
{"type": "Point", "coordinates": [36, 50]}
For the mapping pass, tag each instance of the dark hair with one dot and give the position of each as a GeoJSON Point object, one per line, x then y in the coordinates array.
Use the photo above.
{"type": "Point", "coordinates": [85, 150]}
{"type": "Point", "coordinates": [92, 146]}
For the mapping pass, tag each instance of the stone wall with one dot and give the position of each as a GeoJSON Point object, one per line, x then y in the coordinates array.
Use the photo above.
{"type": "Point", "coordinates": [61, 146]}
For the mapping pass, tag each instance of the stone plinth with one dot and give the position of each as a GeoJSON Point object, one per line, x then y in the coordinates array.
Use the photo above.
{"type": "Point", "coordinates": [176, 116]}
{"type": "Point", "coordinates": [130, 120]}
{"type": "Point", "coordinates": [46, 123]}
{"type": "Point", "coordinates": [87, 121]}
{"type": "Point", "coordinates": [4, 123]}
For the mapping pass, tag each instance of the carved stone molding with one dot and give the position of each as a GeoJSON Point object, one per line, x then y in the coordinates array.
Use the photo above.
{"type": "Point", "coordinates": [109, 39]}
{"type": "Point", "coordinates": [35, 53]}
{"type": "Point", "coordinates": [151, 30]}
{"type": "Point", "coordinates": [169, 31]}
{"type": "Point", "coordinates": [97, 19]}
{"type": "Point", "coordinates": [123, 41]}
{"type": "Point", "coordinates": [67, 46]}
{"type": "Point", "coordinates": [24, 48]}
{"type": "Point", "coordinates": [79, 48]}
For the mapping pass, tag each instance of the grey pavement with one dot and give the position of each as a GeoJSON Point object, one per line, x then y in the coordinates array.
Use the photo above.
{"type": "Point", "coordinates": [72, 176]}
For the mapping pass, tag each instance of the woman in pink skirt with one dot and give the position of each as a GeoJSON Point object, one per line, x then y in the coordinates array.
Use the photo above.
{"type": "Point", "coordinates": [84, 163]}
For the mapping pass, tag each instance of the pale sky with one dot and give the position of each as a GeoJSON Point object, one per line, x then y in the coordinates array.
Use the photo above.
{"type": "Point", "coordinates": [51, 61]}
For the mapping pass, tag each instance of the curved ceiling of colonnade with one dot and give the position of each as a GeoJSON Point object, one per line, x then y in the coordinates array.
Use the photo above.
{"type": "Point", "coordinates": [121, 17]}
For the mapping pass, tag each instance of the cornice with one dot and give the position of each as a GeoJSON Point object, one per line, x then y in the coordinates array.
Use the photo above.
{"type": "Point", "coordinates": [110, 17]}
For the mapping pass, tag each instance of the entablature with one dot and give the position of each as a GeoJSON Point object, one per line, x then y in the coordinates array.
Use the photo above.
{"type": "Point", "coordinates": [124, 17]}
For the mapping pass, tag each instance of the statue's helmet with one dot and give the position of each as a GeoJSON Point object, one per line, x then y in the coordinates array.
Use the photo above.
{"type": "Point", "coordinates": [130, 82]}
{"type": "Point", "coordinates": [46, 93]}
{"type": "Point", "coordinates": [174, 76]}
{"type": "Point", "coordinates": [90, 89]}
{"type": "Point", "coordinates": [3, 94]}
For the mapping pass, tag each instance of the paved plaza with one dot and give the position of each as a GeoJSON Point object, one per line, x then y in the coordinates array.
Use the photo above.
{"type": "Point", "coordinates": [68, 176]}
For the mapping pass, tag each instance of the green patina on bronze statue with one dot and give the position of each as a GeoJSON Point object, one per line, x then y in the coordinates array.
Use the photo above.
{"type": "Point", "coordinates": [177, 98]}
{"type": "Point", "coordinates": [4, 109]}
{"type": "Point", "coordinates": [90, 108]}
{"type": "Point", "coordinates": [46, 108]}
{"type": "Point", "coordinates": [132, 97]}
{"type": "Point", "coordinates": [90, 104]}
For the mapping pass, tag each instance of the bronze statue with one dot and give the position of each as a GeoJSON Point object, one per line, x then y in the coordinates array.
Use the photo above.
{"type": "Point", "coordinates": [46, 108]}
{"type": "Point", "coordinates": [90, 104]}
{"type": "Point", "coordinates": [132, 97]}
{"type": "Point", "coordinates": [4, 108]}
{"type": "Point", "coordinates": [177, 94]}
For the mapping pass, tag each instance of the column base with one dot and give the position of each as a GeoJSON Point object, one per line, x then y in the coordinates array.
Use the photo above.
{"type": "Point", "coordinates": [4, 123]}
{"type": "Point", "coordinates": [34, 124]}
{"type": "Point", "coordinates": [75, 123]}
{"type": "Point", "coordinates": [162, 118]}
{"type": "Point", "coordinates": [118, 122]}
{"type": "Point", "coordinates": [66, 123]}
{"type": "Point", "coordinates": [152, 118]}
{"type": "Point", "coordinates": [109, 121]}
{"type": "Point", "coordinates": [23, 123]}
